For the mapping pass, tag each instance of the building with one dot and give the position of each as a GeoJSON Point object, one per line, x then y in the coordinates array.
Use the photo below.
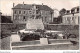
{"type": "Point", "coordinates": [23, 12]}
{"type": "Point", "coordinates": [71, 17]}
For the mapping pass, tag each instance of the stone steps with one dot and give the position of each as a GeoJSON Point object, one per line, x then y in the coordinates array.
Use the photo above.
{"type": "Point", "coordinates": [19, 43]}
{"type": "Point", "coordinates": [25, 43]}
{"type": "Point", "coordinates": [43, 47]}
{"type": "Point", "coordinates": [59, 40]}
{"type": "Point", "coordinates": [33, 45]}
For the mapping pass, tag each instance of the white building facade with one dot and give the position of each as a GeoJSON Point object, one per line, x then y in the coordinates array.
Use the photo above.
{"type": "Point", "coordinates": [71, 17]}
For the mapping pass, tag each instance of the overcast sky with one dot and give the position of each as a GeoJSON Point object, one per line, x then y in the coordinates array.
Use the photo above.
{"type": "Point", "coordinates": [6, 5]}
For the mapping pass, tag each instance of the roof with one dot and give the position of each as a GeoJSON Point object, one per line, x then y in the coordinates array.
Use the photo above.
{"type": "Point", "coordinates": [75, 8]}
{"type": "Point", "coordinates": [71, 10]}
{"type": "Point", "coordinates": [44, 7]}
{"type": "Point", "coordinates": [29, 6]}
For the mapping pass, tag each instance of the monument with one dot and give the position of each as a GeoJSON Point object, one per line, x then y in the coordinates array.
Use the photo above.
{"type": "Point", "coordinates": [34, 24]}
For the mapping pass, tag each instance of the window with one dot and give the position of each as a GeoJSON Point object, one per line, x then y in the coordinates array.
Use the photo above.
{"type": "Point", "coordinates": [15, 12]}
{"type": "Point", "coordinates": [23, 17]}
{"type": "Point", "coordinates": [71, 18]}
{"type": "Point", "coordinates": [19, 17]}
{"type": "Point", "coordinates": [19, 12]}
{"type": "Point", "coordinates": [16, 17]}
{"type": "Point", "coordinates": [37, 7]}
{"type": "Point", "coordinates": [68, 19]}
{"type": "Point", "coordinates": [24, 12]}
{"type": "Point", "coordinates": [30, 12]}
{"type": "Point", "coordinates": [37, 12]}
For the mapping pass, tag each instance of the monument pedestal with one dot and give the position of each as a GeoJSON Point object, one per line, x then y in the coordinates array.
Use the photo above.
{"type": "Point", "coordinates": [44, 41]}
{"type": "Point", "coordinates": [60, 36]}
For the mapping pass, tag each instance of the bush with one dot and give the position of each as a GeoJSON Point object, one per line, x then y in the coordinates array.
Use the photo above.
{"type": "Point", "coordinates": [29, 37]}
{"type": "Point", "coordinates": [72, 36]}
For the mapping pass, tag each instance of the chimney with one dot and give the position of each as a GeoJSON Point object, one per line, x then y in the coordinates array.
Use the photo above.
{"type": "Point", "coordinates": [13, 4]}
{"type": "Point", "coordinates": [42, 4]}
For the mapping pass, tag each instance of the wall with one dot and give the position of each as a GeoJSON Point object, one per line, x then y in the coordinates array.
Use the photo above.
{"type": "Point", "coordinates": [61, 27]}
{"type": "Point", "coordinates": [28, 14]}
{"type": "Point", "coordinates": [5, 43]}
{"type": "Point", "coordinates": [19, 18]}
{"type": "Point", "coordinates": [5, 36]}
{"type": "Point", "coordinates": [67, 17]}
{"type": "Point", "coordinates": [76, 18]}
{"type": "Point", "coordinates": [6, 29]}
{"type": "Point", "coordinates": [17, 27]}
{"type": "Point", "coordinates": [71, 19]}
{"type": "Point", "coordinates": [46, 16]}
{"type": "Point", "coordinates": [72, 29]}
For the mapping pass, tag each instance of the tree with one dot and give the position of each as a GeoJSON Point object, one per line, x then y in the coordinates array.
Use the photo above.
{"type": "Point", "coordinates": [6, 19]}
{"type": "Point", "coordinates": [62, 11]}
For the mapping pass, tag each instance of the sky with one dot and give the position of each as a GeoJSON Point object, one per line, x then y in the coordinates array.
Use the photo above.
{"type": "Point", "coordinates": [6, 5]}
